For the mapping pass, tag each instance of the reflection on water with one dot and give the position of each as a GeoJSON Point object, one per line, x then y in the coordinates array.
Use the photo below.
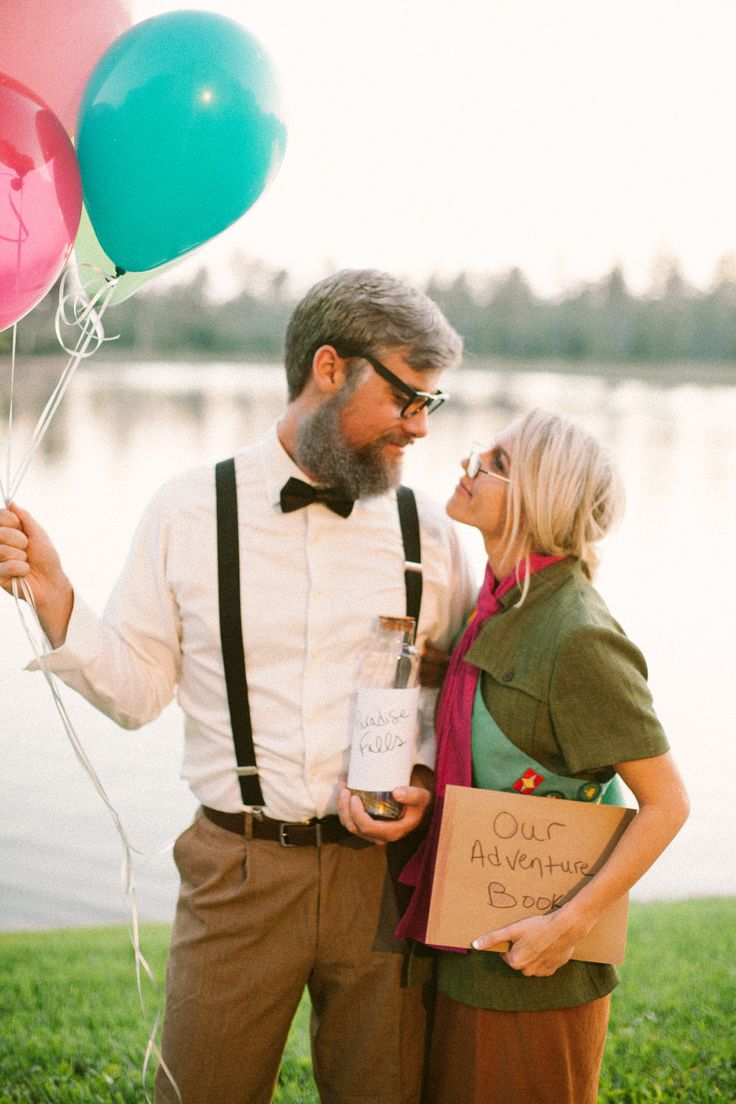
{"type": "Point", "coordinates": [121, 432]}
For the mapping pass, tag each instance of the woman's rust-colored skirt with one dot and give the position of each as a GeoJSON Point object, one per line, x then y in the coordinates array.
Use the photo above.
{"type": "Point", "coordinates": [480, 1056]}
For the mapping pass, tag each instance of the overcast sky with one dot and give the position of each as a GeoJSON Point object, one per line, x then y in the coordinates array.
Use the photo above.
{"type": "Point", "coordinates": [480, 134]}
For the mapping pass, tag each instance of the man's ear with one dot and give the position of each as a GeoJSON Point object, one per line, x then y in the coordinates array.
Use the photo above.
{"type": "Point", "coordinates": [328, 370]}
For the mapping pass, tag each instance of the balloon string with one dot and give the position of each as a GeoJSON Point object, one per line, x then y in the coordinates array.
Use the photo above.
{"type": "Point", "coordinates": [23, 233]}
{"type": "Point", "coordinates": [127, 867]}
{"type": "Point", "coordinates": [82, 308]}
{"type": "Point", "coordinates": [13, 350]}
{"type": "Point", "coordinates": [8, 454]}
{"type": "Point", "coordinates": [89, 320]}
{"type": "Point", "coordinates": [22, 228]}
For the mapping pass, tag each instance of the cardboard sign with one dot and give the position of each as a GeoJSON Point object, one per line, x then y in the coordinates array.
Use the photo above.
{"type": "Point", "coordinates": [503, 857]}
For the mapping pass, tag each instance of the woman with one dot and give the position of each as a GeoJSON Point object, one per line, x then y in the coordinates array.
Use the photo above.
{"type": "Point", "coordinates": [543, 685]}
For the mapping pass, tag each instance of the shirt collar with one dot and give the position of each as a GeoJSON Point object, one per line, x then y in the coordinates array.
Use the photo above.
{"type": "Point", "coordinates": [277, 466]}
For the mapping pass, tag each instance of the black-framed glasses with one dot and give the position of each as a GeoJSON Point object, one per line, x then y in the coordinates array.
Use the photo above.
{"type": "Point", "coordinates": [416, 400]}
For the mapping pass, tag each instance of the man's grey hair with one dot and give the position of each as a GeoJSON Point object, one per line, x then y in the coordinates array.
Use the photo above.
{"type": "Point", "coordinates": [365, 311]}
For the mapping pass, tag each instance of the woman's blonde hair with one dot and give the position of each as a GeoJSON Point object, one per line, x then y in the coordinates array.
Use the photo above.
{"type": "Point", "coordinates": [564, 492]}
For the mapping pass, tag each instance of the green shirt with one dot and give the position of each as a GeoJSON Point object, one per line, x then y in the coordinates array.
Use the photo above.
{"type": "Point", "coordinates": [565, 685]}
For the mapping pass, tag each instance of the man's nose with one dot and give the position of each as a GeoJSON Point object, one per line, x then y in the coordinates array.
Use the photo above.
{"type": "Point", "coordinates": [418, 425]}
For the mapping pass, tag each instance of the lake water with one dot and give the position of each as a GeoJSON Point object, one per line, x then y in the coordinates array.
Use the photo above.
{"type": "Point", "coordinates": [122, 430]}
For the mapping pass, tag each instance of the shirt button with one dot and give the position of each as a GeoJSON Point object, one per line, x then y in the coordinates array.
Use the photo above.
{"type": "Point", "coordinates": [507, 676]}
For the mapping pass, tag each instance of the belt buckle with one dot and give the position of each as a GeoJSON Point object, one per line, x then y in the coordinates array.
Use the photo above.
{"type": "Point", "coordinates": [284, 824]}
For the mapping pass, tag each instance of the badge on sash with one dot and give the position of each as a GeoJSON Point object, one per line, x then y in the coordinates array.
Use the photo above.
{"type": "Point", "coordinates": [528, 782]}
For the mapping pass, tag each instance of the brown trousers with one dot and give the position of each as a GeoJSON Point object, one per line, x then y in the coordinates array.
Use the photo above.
{"type": "Point", "coordinates": [482, 1057]}
{"type": "Point", "coordinates": [255, 924]}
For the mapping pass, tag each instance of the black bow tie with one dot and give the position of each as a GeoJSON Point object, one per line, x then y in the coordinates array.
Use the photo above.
{"type": "Point", "coordinates": [295, 493]}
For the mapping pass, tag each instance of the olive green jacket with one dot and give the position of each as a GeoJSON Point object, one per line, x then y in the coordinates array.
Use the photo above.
{"type": "Point", "coordinates": [563, 683]}
{"type": "Point", "coordinates": [562, 680]}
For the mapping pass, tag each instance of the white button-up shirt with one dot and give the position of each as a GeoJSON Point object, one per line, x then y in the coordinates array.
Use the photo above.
{"type": "Point", "coordinates": [312, 585]}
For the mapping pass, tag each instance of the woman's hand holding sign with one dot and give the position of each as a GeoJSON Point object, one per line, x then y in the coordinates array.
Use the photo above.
{"type": "Point", "coordinates": [539, 945]}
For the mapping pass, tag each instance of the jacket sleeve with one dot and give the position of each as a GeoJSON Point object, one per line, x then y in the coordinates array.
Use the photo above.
{"type": "Point", "coordinates": [600, 703]}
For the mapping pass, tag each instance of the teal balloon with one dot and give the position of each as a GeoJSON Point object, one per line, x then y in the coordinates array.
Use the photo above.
{"type": "Point", "coordinates": [179, 132]}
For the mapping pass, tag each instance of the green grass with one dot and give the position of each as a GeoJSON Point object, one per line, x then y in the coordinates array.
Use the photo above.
{"type": "Point", "coordinates": [673, 1018]}
{"type": "Point", "coordinates": [71, 1029]}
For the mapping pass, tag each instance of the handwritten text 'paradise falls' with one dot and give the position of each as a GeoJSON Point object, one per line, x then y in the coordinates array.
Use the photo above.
{"type": "Point", "coordinates": [382, 731]}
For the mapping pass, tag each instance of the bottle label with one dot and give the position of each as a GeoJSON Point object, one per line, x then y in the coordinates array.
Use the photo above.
{"type": "Point", "coordinates": [384, 739]}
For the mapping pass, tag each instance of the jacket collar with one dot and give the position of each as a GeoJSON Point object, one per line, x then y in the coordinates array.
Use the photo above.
{"type": "Point", "coordinates": [542, 583]}
{"type": "Point", "coordinates": [502, 647]}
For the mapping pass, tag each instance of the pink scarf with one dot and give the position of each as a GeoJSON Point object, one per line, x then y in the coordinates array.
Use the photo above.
{"type": "Point", "coordinates": [454, 757]}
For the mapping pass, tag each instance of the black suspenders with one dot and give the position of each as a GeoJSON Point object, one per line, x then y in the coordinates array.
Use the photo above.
{"type": "Point", "coordinates": [231, 629]}
{"type": "Point", "coordinates": [231, 632]}
{"type": "Point", "coordinates": [409, 521]}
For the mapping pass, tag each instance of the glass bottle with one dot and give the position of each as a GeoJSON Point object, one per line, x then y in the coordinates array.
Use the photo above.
{"type": "Point", "coordinates": [385, 717]}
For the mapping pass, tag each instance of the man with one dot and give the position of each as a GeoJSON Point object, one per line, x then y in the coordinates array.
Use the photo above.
{"type": "Point", "coordinates": [276, 891]}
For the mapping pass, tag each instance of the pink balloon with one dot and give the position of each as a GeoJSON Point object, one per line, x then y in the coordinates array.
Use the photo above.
{"type": "Point", "coordinates": [52, 46]}
{"type": "Point", "coordinates": [40, 199]}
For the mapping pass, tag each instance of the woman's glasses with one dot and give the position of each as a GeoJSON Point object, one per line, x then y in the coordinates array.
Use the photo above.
{"type": "Point", "coordinates": [474, 466]}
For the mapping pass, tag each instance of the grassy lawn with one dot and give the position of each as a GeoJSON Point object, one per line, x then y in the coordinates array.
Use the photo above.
{"type": "Point", "coordinates": [71, 1030]}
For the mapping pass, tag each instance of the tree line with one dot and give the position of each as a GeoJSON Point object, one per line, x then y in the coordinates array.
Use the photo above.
{"type": "Point", "coordinates": [500, 316]}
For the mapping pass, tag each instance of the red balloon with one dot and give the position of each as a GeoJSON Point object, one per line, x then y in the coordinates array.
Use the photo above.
{"type": "Point", "coordinates": [40, 199]}
{"type": "Point", "coordinates": [52, 46]}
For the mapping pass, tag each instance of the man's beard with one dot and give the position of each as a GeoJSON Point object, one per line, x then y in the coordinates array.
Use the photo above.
{"type": "Point", "coordinates": [356, 473]}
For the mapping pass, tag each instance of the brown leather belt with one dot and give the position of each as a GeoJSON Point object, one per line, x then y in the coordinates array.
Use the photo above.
{"type": "Point", "coordinates": [310, 833]}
